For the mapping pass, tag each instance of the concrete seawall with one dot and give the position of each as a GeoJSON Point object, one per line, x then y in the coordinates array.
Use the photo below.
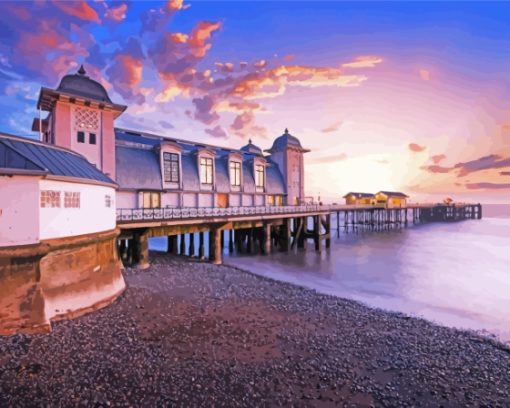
{"type": "Point", "coordinates": [57, 279]}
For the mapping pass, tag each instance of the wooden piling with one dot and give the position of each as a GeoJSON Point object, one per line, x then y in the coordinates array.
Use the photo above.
{"type": "Point", "coordinates": [215, 246]}
{"type": "Point", "coordinates": [201, 252]}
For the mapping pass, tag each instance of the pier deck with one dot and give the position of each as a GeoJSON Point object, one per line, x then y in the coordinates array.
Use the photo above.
{"type": "Point", "coordinates": [281, 227]}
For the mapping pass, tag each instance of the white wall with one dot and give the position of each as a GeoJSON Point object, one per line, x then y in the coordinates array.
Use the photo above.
{"type": "Point", "coordinates": [92, 216]}
{"type": "Point", "coordinates": [205, 200]}
{"type": "Point", "coordinates": [259, 200]}
{"type": "Point", "coordinates": [234, 200]}
{"type": "Point", "coordinates": [170, 200]}
{"type": "Point", "coordinates": [19, 210]}
{"type": "Point", "coordinates": [247, 200]}
{"type": "Point", "coordinates": [189, 200]}
{"type": "Point", "coordinates": [126, 199]}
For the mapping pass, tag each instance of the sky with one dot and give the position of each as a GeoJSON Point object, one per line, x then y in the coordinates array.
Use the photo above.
{"type": "Point", "coordinates": [412, 96]}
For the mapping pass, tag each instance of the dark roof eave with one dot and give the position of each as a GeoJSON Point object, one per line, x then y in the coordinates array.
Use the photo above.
{"type": "Point", "coordinates": [48, 93]}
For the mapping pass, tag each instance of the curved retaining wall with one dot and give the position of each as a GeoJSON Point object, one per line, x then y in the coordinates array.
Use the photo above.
{"type": "Point", "coordinates": [57, 279]}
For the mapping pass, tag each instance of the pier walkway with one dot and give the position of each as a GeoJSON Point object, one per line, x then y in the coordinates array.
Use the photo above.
{"type": "Point", "coordinates": [265, 227]}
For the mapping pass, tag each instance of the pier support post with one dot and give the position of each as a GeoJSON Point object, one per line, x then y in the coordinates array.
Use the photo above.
{"type": "Point", "coordinates": [328, 230]}
{"type": "Point", "coordinates": [267, 239]}
{"type": "Point", "coordinates": [201, 251]}
{"type": "Point", "coordinates": [231, 241]}
{"type": "Point", "coordinates": [169, 247]}
{"type": "Point", "coordinates": [192, 244]}
{"type": "Point", "coordinates": [250, 241]}
{"type": "Point", "coordinates": [141, 250]}
{"type": "Point", "coordinates": [215, 246]}
{"type": "Point", "coordinates": [316, 232]}
{"type": "Point", "coordinates": [182, 250]}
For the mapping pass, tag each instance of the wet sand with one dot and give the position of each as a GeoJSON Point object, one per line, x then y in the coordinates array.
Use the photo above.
{"type": "Point", "coordinates": [187, 333]}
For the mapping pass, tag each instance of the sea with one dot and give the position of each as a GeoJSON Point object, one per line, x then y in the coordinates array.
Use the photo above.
{"type": "Point", "coordinates": [455, 274]}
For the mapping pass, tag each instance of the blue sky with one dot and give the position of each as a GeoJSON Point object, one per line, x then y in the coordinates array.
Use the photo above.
{"type": "Point", "coordinates": [380, 91]}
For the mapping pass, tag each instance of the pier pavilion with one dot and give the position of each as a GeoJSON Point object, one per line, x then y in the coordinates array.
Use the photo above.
{"type": "Point", "coordinates": [88, 192]}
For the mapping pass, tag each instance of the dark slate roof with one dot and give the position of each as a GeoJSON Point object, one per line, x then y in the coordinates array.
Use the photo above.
{"type": "Point", "coordinates": [222, 179]}
{"type": "Point", "coordinates": [137, 168]}
{"type": "Point", "coordinates": [248, 177]}
{"type": "Point", "coordinates": [80, 84]}
{"type": "Point", "coordinates": [190, 180]}
{"type": "Point", "coordinates": [18, 153]}
{"type": "Point", "coordinates": [138, 164]}
{"type": "Point", "coordinates": [274, 180]}
{"type": "Point", "coordinates": [359, 195]}
{"type": "Point", "coordinates": [393, 194]}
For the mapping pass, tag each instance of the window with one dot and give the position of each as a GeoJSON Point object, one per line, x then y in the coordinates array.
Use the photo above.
{"type": "Point", "coordinates": [50, 199]}
{"type": "Point", "coordinates": [92, 138]}
{"type": "Point", "coordinates": [108, 201]}
{"type": "Point", "coordinates": [81, 137]}
{"type": "Point", "coordinates": [171, 167]}
{"type": "Point", "coordinates": [151, 200]}
{"type": "Point", "coordinates": [235, 173]}
{"type": "Point", "coordinates": [206, 170]}
{"type": "Point", "coordinates": [270, 200]}
{"type": "Point", "coordinates": [259, 175]}
{"type": "Point", "coordinates": [71, 199]}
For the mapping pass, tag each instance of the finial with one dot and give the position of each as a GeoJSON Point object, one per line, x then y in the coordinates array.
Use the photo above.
{"type": "Point", "coordinates": [286, 131]}
{"type": "Point", "coordinates": [249, 141]}
{"type": "Point", "coordinates": [82, 71]}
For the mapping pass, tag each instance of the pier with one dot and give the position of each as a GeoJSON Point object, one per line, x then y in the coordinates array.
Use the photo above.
{"type": "Point", "coordinates": [265, 228]}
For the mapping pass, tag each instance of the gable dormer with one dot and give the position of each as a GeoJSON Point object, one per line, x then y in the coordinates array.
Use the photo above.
{"type": "Point", "coordinates": [235, 171]}
{"type": "Point", "coordinates": [206, 167]}
{"type": "Point", "coordinates": [170, 159]}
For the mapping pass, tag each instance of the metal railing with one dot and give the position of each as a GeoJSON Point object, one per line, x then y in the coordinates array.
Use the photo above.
{"type": "Point", "coordinates": [159, 214]}
{"type": "Point", "coordinates": [142, 214]}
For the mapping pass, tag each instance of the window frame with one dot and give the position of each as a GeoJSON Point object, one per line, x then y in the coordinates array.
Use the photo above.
{"type": "Point", "coordinates": [235, 167]}
{"type": "Point", "coordinates": [173, 159]}
{"type": "Point", "coordinates": [260, 171]}
{"type": "Point", "coordinates": [206, 168]}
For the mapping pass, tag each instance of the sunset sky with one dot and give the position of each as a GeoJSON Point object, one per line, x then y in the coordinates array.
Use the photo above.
{"type": "Point", "coordinates": [412, 97]}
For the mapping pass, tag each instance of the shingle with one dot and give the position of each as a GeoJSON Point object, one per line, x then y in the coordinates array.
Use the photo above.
{"type": "Point", "coordinates": [137, 168]}
{"type": "Point", "coordinates": [222, 180]}
{"type": "Point", "coordinates": [274, 180]}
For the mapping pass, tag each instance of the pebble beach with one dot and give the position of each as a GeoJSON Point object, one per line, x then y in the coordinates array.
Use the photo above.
{"type": "Point", "coordinates": [191, 334]}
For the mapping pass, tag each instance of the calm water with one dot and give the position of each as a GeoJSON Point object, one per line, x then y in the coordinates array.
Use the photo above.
{"type": "Point", "coordinates": [455, 274]}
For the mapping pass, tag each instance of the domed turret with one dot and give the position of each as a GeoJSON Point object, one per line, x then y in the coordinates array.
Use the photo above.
{"type": "Point", "coordinates": [80, 84]}
{"type": "Point", "coordinates": [285, 141]}
{"type": "Point", "coordinates": [287, 153]}
{"type": "Point", "coordinates": [251, 148]}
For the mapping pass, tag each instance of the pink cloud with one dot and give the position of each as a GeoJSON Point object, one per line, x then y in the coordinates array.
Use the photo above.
{"type": "Point", "coordinates": [199, 39]}
{"type": "Point", "coordinates": [438, 158]}
{"type": "Point", "coordinates": [217, 132]}
{"type": "Point", "coordinates": [204, 110]}
{"type": "Point", "coordinates": [260, 64]}
{"type": "Point", "coordinates": [333, 127]}
{"type": "Point", "coordinates": [367, 61]}
{"type": "Point", "coordinates": [487, 186]}
{"type": "Point", "coordinates": [79, 9]}
{"type": "Point", "coordinates": [424, 74]}
{"type": "Point", "coordinates": [492, 161]}
{"type": "Point", "coordinates": [414, 147]}
{"type": "Point", "coordinates": [244, 125]}
{"type": "Point", "coordinates": [436, 169]}
{"type": "Point", "coordinates": [117, 13]}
